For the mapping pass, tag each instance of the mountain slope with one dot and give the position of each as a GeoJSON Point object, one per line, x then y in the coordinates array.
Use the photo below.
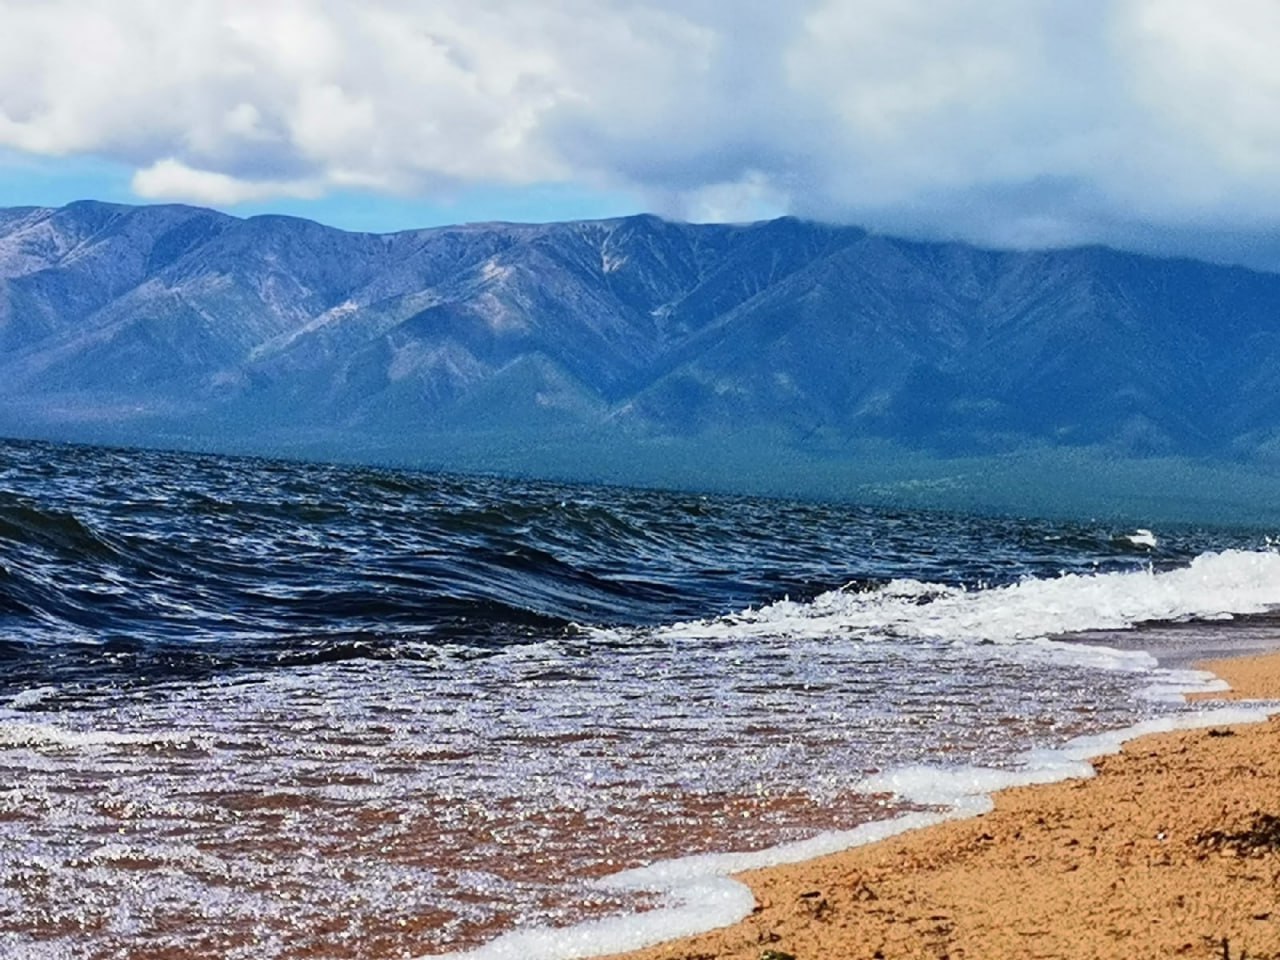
{"type": "Point", "coordinates": [172, 319]}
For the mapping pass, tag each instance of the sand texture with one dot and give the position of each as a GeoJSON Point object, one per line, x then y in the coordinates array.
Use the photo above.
{"type": "Point", "coordinates": [1172, 850]}
{"type": "Point", "coordinates": [1249, 677]}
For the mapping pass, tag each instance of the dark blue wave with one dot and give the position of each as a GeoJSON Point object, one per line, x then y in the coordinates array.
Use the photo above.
{"type": "Point", "coordinates": [127, 566]}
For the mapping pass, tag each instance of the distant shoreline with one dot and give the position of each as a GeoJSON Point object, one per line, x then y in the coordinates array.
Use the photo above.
{"type": "Point", "coordinates": [1172, 850]}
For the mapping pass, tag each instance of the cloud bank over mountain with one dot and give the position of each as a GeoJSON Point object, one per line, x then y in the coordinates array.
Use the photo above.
{"type": "Point", "coordinates": [1148, 124]}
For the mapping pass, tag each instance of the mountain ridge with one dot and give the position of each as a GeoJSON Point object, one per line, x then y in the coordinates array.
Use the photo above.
{"type": "Point", "coordinates": [177, 320]}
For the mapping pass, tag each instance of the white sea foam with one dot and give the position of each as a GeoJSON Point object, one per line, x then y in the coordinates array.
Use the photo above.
{"type": "Point", "coordinates": [702, 895]}
{"type": "Point", "coordinates": [31, 697]}
{"type": "Point", "coordinates": [18, 732]}
{"type": "Point", "coordinates": [1212, 586]}
{"type": "Point", "coordinates": [1172, 686]}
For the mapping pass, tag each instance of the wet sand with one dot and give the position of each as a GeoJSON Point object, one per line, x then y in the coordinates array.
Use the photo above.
{"type": "Point", "coordinates": [1172, 850]}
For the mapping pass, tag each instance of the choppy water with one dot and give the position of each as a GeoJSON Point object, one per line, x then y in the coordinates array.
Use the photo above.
{"type": "Point", "coordinates": [257, 709]}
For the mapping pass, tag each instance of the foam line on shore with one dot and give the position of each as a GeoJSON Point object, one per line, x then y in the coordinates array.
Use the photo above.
{"type": "Point", "coordinates": [701, 894]}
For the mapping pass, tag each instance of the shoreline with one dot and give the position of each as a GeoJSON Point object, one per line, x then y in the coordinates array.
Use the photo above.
{"type": "Point", "coordinates": [1171, 850]}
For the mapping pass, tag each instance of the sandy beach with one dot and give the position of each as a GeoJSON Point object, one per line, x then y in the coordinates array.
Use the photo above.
{"type": "Point", "coordinates": [1172, 850]}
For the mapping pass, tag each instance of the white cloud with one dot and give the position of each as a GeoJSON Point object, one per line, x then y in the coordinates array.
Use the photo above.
{"type": "Point", "coordinates": [171, 179]}
{"type": "Point", "coordinates": [1022, 121]}
{"type": "Point", "coordinates": [751, 197]}
{"type": "Point", "coordinates": [1207, 77]}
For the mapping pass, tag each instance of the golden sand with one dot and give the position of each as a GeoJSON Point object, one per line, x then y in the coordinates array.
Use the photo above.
{"type": "Point", "coordinates": [1172, 850]}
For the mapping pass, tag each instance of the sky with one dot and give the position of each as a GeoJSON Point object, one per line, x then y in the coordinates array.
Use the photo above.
{"type": "Point", "coordinates": [1151, 125]}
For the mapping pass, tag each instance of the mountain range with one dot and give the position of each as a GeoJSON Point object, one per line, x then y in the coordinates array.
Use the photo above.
{"type": "Point", "coordinates": [136, 322]}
